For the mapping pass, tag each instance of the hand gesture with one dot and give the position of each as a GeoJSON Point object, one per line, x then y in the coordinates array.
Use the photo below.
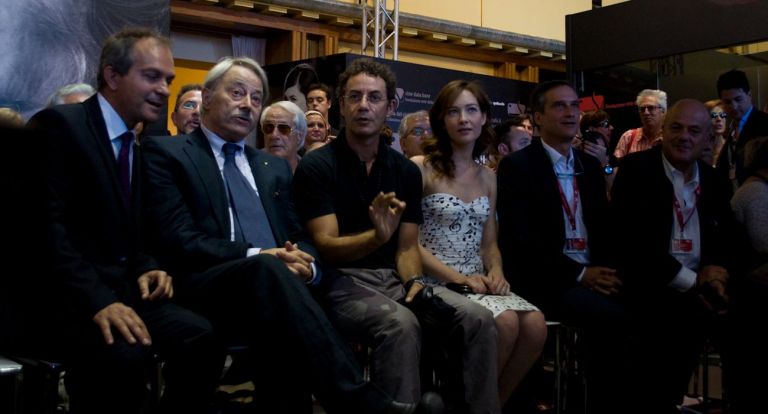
{"type": "Point", "coordinates": [125, 320]}
{"type": "Point", "coordinates": [602, 280]}
{"type": "Point", "coordinates": [163, 286]}
{"type": "Point", "coordinates": [298, 261]}
{"type": "Point", "coordinates": [385, 212]}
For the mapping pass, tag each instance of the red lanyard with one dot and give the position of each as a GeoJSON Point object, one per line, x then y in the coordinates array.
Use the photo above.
{"type": "Point", "coordinates": [571, 214]}
{"type": "Point", "coordinates": [679, 213]}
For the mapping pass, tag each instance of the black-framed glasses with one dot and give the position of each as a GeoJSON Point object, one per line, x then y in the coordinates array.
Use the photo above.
{"type": "Point", "coordinates": [419, 131]}
{"type": "Point", "coordinates": [284, 129]}
{"type": "Point", "coordinates": [604, 124]}
{"type": "Point", "coordinates": [650, 108]}
{"type": "Point", "coordinates": [191, 105]}
{"type": "Point", "coordinates": [714, 115]}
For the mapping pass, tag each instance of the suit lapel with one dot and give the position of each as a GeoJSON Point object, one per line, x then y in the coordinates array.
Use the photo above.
{"type": "Point", "coordinates": [264, 179]}
{"type": "Point", "coordinates": [544, 173]}
{"type": "Point", "coordinates": [98, 132]}
{"type": "Point", "coordinates": [201, 156]}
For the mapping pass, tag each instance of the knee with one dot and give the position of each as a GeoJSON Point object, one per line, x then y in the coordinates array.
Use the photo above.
{"type": "Point", "coordinates": [400, 326]}
{"type": "Point", "coordinates": [476, 318]}
{"type": "Point", "coordinates": [508, 324]}
{"type": "Point", "coordinates": [533, 326]}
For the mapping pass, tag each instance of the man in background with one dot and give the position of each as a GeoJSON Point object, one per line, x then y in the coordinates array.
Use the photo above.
{"type": "Point", "coordinates": [414, 129]}
{"type": "Point", "coordinates": [186, 111]}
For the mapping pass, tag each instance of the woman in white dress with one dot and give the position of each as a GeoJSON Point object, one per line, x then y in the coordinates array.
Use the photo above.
{"type": "Point", "coordinates": [458, 237]}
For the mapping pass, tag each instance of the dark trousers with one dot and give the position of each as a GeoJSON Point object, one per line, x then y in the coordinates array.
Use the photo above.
{"type": "Point", "coordinates": [602, 324]}
{"type": "Point", "coordinates": [112, 378]}
{"type": "Point", "coordinates": [258, 302]}
{"type": "Point", "coordinates": [668, 331]}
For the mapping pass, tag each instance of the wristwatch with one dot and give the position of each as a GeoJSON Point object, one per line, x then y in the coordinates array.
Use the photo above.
{"type": "Point", "coordinates": [607, 169]}
{"type": "Point", "coordinates": [416, 279]}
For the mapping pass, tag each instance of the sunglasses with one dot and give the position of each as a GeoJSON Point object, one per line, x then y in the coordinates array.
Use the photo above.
{"type": "Point", "coordinates": [604, 124]}
{"type": "Point", "coordinates": [282, 128]}
{"type": "Point", "coordinates": [714, 115]}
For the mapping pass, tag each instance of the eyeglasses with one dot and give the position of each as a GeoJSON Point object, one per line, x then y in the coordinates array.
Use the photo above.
{"type": "Point", "coordinates": [604, 124]}
{"type": "Point", "coordinates": [373, 98]}
{"type": "Point", "coordinates": [282, 128]}
{"type": "Point", "coordinates": [650, 108]}
{"type": "Point", "coordinates": [419, 131]}
{"type": "Point", "coordinates": [189, 105]}
{"type": "Point", "coordinates": [714, 115]}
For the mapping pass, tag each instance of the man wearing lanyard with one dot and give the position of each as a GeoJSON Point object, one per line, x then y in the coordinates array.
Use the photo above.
{"type": "Point", "coordinates": [552, 209]}
{"type": "Point", "coordinates": [745, 122]}
{"type": "Point", "coordinates": [674, 213]}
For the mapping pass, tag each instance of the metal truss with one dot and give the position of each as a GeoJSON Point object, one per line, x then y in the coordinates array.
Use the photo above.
{"type": "Point", "coordinates": [380, 27]}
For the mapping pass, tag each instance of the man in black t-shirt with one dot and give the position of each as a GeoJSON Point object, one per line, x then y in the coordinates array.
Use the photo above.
{"type": "Point", "coordinates": [361, 203]}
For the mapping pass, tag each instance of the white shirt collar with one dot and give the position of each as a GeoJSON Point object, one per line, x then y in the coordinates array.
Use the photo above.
{"type": "Point", "coordinates": [115, 124]}
{"type": "Point", "coordinates": [217, 142]}
{"type": "Point", "coordinates": [557, 157]}
{"type": "Point", "coordinates": [676, 176]}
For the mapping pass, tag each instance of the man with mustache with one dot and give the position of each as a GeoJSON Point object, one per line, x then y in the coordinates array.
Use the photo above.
{"type": "Point", "coordinates": [222, 219]}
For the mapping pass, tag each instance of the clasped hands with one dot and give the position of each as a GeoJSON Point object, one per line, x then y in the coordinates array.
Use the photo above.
{"type": "Point", "coordinates": [298, 261]}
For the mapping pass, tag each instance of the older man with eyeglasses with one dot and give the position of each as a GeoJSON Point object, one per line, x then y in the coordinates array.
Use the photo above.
{"type": "Point", "coordinates": [284, 127]}
{"type": "Point", "coordinates": [414, 128]}
{"type": "Point", "coordinates": [652, 105]}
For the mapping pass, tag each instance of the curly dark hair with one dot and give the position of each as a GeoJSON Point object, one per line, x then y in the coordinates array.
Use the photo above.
{"type": "Point", "coordinates": [369, 67]}
{"type": "Point", "coordinates": [438, 150]}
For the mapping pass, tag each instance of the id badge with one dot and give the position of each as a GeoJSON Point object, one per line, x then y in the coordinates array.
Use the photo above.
{"type": "Point", "coordinates": [575, 245]}
{"type": "Point", "coordinates": [682, 245]}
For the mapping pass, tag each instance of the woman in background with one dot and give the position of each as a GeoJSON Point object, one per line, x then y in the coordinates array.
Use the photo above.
{"type": "Point", "coordinates": [317, 132]}
{"type": "Point", "coordinates": [458, 236]}
{"type": "Point", "coordinates": [713, 147]}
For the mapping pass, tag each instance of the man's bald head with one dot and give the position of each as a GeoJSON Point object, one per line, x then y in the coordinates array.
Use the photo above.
{"type": "Point", "coordinates": [686, 129]}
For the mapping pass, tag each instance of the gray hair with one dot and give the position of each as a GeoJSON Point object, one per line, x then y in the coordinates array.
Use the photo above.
{"type": "Point", "coordinates": [225, 64]}
{"type": "Point", "coordinates": [61, 94]}
{"type": "Point", "coordinates": [418, 114]}
{"type": "Point", "coordinates": [660, 96]}
{"type": "Point", "coordinates": [299, 120]}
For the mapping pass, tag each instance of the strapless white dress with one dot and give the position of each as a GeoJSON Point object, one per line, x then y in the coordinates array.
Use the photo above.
{"type": "Point", "coordinates": [452, 231]}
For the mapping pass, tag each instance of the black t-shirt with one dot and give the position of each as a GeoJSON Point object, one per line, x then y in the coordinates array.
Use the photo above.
{"type": "Point", "coordinates": [333, 180]}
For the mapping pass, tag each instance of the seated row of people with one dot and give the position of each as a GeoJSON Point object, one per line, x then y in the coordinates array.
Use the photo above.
{"type": "Point", "coordinates": [402, 255]}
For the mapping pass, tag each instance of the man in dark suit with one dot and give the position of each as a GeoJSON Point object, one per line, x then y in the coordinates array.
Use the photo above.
{"type": "Point", "coordinates": [552, 211]}
{"type": "Point", "coordinates": [223, 221]}
{"type": "Point", "coordinates": [674, 213]}
{"type": "Point", "coordinates": [110, 296]}
{"type": "Point", "coordinates": [745, 123]}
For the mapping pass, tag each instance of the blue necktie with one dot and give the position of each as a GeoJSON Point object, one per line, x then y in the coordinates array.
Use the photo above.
{"type": "Point", "coordinates": [250, 220]}
{"type": "Point", "coordinates": [124, 165]}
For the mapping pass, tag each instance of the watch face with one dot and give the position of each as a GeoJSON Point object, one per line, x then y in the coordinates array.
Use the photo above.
{"type": "Point", "coordinates": [608, 170]}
